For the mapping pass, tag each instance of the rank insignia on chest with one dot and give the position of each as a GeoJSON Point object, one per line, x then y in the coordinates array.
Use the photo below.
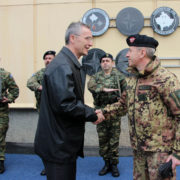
{"type": "Point", "coordinates": [142, 97]}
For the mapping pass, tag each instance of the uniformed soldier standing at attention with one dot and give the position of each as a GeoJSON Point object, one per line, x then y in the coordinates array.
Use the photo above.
{"type": "Point", "coordinates": [106, 87]}
{"type": "Point", "coordinates": [35, 82]}
{"type": "Point", "coordinates": [9, 91]}
{"type": "Point", "coordinates": [152, 100]}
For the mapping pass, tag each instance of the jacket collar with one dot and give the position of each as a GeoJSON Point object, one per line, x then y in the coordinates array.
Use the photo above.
{"type": "Point", "coordinates": [72, 57]}
{"type": "Point", "coordinates": [150, 68]}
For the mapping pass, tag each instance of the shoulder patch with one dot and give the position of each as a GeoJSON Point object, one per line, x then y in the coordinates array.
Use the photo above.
{"type": "Point", "coordinates": [176, 97]}
{"type": "Point", "coordinates": [142, 97]}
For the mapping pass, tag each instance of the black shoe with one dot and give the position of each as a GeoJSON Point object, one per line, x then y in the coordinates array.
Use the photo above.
{"type": "Point", "coordinates": [43, 172]}
{"type": "Point", "coordinates": [114, 170]}
{"type": "Point", "coordinates": [105, 169]}
{"type": "Point", "coordinates": [2, 169]}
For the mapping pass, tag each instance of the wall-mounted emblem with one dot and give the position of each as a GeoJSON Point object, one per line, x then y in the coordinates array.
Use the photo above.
{"type": "Point", "coordinates": [129, 21]}
{"type": "Point", "coordinates": [91, 62]}
{"type": "Point", "coordinates": [98, 20]}
{"type": "Point", "coordinates": [122, 62]}
{"type": "Point", "coordinates": [164, 20]}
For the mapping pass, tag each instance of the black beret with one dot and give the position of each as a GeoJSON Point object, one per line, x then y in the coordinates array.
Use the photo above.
{"type": "Point", "coordinates": [142, 41]}
{"type": "Point", "coordinates": [106, 55]}
{"type": "Point", "coordinates": [49, 53]}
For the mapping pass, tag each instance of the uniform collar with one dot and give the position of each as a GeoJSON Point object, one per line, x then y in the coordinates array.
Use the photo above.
{"type": "Point", "coordinates": [150, 68]}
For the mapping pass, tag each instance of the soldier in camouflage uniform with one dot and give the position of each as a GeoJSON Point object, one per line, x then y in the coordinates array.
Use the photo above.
{"type": "Point", "coordinates": [106, 87]}
{"type": "Point", "coordinates": [152, 100]}
{"type": "Point", "coordinates": [35, 82]}
{"type": "Point", "coordinates": [9, 91]}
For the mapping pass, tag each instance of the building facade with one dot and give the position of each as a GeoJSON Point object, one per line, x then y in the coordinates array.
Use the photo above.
{"type": "Point", "coordinates": [31, 27]}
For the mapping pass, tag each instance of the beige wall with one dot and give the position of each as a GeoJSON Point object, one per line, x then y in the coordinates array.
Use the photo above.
{"type": "Point", "coordinates": [30, 27]}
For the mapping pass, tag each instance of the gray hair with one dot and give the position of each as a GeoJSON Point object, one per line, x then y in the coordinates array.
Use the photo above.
{"type": "Point", "coordinates": [74, 28]}
{"type": "Point", "coordinates": [149, 52]}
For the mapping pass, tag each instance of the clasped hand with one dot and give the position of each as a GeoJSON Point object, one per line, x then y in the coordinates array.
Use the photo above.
{"type": "Point", "coordinates": [100, 117]}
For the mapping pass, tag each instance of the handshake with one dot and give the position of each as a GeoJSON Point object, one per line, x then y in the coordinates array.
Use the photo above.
{"type": "Point", "coordinates": [100, 117]}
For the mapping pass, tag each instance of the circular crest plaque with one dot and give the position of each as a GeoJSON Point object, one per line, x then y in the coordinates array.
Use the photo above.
{"type": "Point", "coordinates": [98, 20]}
{"type": "Point", "coordinates": [91, 62]}
{"type": "Point", "coordinates": [129, 21]}
{"type": "Point", "coordinates": [164, 20]}
{"type": "Point", "coordinates": [122, 62]}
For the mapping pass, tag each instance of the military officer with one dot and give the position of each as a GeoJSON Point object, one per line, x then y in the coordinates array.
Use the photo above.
{"type": "Point", "coordinates": [106, 87]}
{"type": "Point", "coordinates": [9, 91]}
{"type": "Point", "coordinates": [152, 101]}
{"type": "Point", "coordinates": [34, 83]}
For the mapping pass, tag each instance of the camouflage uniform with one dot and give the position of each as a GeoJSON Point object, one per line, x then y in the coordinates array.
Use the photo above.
{"type": "Point", "coordinates": [10, 90]}
{"type": "Point", "coordinates": [34, 83]}
{"type": "Point", "coordinates": [152, 100]}
{"type": "Point", "coordinates": [108, 131]}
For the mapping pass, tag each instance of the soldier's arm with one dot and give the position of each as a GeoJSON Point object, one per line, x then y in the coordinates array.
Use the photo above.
{"type": "Point", "coordinates": [171, 97]}
{"type": "Point", "coordinates": [13, 89]}
{"type": "Point", "coordinates": [33, 83]}
{"type": "Point", "coordinates": [119, 108]}
{"type": "Point", "coordinates": [93, 87]}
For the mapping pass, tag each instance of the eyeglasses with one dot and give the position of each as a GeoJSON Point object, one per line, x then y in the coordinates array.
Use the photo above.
{"type": "Point", "coordinates": [88, 38]}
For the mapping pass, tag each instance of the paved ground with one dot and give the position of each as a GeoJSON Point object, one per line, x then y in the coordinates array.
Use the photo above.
{"type": "Point", "coordinates": [28, 167]}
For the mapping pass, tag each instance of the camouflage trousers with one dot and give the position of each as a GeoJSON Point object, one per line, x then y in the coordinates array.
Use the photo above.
{"type": "Point", "coordinates": [3, 130]}
{"type": "Point", "coordinates": [146, 165]}
{"type": "Point", "coordinates": [109, 133]}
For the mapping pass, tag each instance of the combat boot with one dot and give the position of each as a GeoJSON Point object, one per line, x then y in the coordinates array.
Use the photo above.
{"type": "Point", "coordinates": [2, 169]}
{"type": "Point", "coordinates": [114, 170]}
{"type": "Point", "coordinates": [105, 169]}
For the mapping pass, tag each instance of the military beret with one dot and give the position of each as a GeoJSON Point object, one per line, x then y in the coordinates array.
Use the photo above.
{"type": "Point", "coordinates": [106, 55]}
{"type": "Point", "coordinates": [142, 41]}
{"type": "Point", "coordinates": [49, 53]}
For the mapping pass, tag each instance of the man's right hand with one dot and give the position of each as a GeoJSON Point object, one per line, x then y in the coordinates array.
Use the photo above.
{"type": "Point", "coordinates": [40, 88]}
{"type": "Point", "coordinates": [100, 117]}
{"type": "Point", "coordinates": [5, 100]}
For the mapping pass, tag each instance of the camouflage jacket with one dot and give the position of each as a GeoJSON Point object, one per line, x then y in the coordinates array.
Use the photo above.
{"type": "Point", "coordinates": [34, 83]}
{"type": "Point", "coordinates": [152, 100]}
{"type": "Point", "coordinates": [8, 89]}
{"type": "Point", "coordinates": [97, 82]}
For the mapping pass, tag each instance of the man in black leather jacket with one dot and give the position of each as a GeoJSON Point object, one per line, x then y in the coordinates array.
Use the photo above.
{"type": "Point", "coordinates": [60, 133]}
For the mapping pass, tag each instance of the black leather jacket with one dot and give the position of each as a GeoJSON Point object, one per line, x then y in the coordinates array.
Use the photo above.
{"type": "Point", "coordinates": [60, 132]}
